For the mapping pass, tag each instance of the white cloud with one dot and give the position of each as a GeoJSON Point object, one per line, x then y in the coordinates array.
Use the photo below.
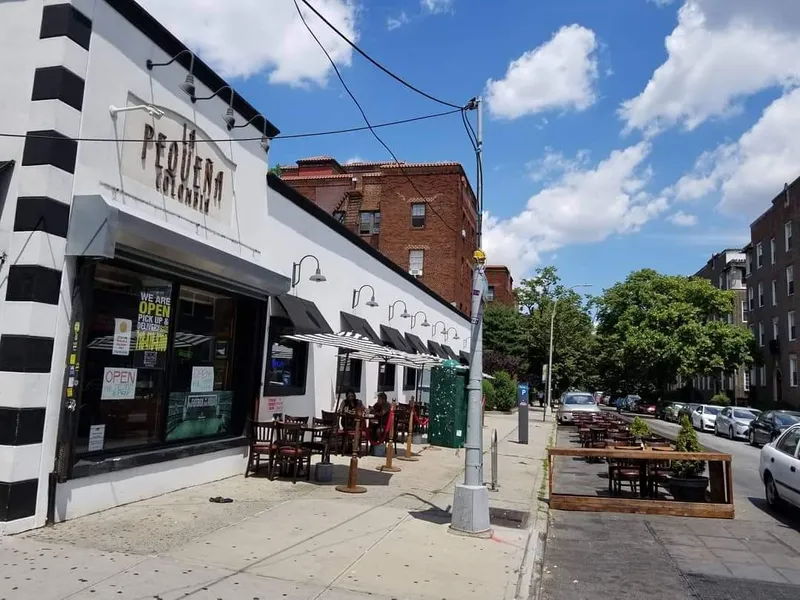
{"type": "Point", "coordinates": [559, 74]}
{"type": "Point", "coordinates": [720, 52]}
{"type": "Point", "coordinates": [554, 164]}
{"type": "Point", "coordinates": [583, 206]}
{"type": "Point", "coordinates": [661, 3]}
{"type": "Point", "coordinates": [751, 171]}
{"type": "Point", "coordinates": [353, 160]}
{"type": "Point", "coordinates": [242, 38]}
{"type": "Point", "coordinates": [398, 21]}
{"type": "Point", "coordinates": [437, 6]}
{"type": "Point", "coordinates": [683, 219]}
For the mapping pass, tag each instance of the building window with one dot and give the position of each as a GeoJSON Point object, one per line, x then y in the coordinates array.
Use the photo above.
{"type": "Point", "coordinates": [760, 333]}
{"type": "Point", "coordinates": [744, 311]}
{"type": "Point", "coordinates": [286, 360]}
{"type": "Point", "coordinates": [790, 326]}
{"type": "Point", "coordinates": [409, 379]}
{"type": "Point", "coordinates": [774, 291]}
{"type": "Point", "coordinates": [747, 376]}
{"type": "Point", "coordinates": [759, 255]}
{"type": "Point", "coordinates": [369, 222]}
{"type": "Point", "coordinates": [787, 235]}
{"type": "Point", "coordinates": [722, 281]}
{"type": "Point", "coordinates": [348, 374]}
{"type": "Point", "coordinates": [418, 214]}
{"type": "Point", "coordinates": [793, 370]}
{"type": "Point", "coordinates": [490, 294]}
{"type": "Point", "coordinates": [775, 327]}
{"type": "Point", "coordinates": [730, 319]}
{"type": "Point", "coordinates": [790, 280]}
{"type": "Point", "coordinates": [772, 251]}
{"type": "Point", "coordinates": [416, 260]}
{"type": "Point", "coordinates": [760, 294]}
{"type": "Point", "coordinates": [339, 215]}
{"type": "Point", "coordinates": [386, 377]}
{"type": "Point", "coordinates": [750, 305]}
{"type": "Point", "coordinates": [762, 376]}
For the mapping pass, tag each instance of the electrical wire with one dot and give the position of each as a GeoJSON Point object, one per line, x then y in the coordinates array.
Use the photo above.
{"type": "Point", "coordinates": [291, 136]}
{"type": "Point", "coordinates": [372, 60]}
{"type": "Point", "coordinates": [366, 119]}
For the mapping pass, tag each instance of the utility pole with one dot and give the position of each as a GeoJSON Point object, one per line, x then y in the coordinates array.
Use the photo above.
{"type": "Point", "coordinates": [470, 514]}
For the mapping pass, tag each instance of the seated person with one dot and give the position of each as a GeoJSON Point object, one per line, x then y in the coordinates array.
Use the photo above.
{"type": "Point", "coordinates": [348, 409]}
{"type": "Point", "coordinates": [380, 412]}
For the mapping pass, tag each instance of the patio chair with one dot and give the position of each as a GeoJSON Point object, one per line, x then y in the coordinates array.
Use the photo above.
{"type": "Point", "coordinates": [291, 451]}
{"type": "Point", "coordinates": [623, 470]}
{"type": "Point", "coordinates": [262, 442]}
{"type": "Point", "coordinates": [320, 440]}
{"type": "Point", "coordinates": [296, 420]}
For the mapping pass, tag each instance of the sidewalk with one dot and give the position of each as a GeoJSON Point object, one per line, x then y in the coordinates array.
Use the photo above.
{"type": "Point", "coordinates": [303, 541]}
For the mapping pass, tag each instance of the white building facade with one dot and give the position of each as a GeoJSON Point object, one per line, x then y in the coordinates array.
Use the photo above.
{"type": "Point", "coordinates": [148, 271]}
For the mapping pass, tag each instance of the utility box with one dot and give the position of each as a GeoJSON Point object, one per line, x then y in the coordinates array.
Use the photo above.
{"type": "Point", "coordinates": [448, 405]}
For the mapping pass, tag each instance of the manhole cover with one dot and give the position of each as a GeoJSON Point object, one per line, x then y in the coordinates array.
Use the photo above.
{"type": "Point", "coordinates": [709, 587]}
{"type": "Point", "coordinates": [504, 517]}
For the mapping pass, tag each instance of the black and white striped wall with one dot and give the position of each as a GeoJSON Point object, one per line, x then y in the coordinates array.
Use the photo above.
{"type": "Point", "coordinates": [36, 292]}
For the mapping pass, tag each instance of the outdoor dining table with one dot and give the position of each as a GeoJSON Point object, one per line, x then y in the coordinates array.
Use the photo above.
{"type": "Point", "coordinates": [646, 490]}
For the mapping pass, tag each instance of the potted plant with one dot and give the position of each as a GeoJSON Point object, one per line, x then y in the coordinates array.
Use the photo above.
{"type": "Point", "coordinates": [686, 483]}
{"type": "Point", "coordinates": [640, 429]}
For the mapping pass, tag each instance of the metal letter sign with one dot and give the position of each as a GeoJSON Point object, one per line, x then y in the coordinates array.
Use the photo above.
{"type": "Point", "coordinates": [522, 403]}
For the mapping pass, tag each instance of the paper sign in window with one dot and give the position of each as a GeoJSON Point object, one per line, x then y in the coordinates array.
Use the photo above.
{"type": "Point", "coordinates": [202, 379]}
{"type": "Point", "coordinates": [122, 337]}
{"type": "Point", "coordinates": [118, 384]}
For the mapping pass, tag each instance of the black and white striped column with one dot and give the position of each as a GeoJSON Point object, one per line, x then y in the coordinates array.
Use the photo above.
{"type": "Point", "coordinates": [34, 319]}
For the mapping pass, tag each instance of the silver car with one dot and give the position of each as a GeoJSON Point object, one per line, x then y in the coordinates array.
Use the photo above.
{"type": "Point", "coordinates": [734, 421]}
{"type": "Point", "coordinates": [575, 402]}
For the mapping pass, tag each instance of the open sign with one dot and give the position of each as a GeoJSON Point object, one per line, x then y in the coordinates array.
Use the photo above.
{"type": "Point", "coordinates": [118, 384]}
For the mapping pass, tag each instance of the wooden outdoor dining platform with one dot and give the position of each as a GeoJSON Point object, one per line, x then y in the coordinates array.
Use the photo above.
{"type": "Point", "coordinates": [602, 447]}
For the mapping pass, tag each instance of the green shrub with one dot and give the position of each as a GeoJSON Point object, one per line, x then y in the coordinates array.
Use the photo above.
{"type": "Point", "coordinates": [505, 388]}
{"type": "Point", "coordinates": [639, 428]}
{"type": "Point", "coordinates": [720, 399]}
{"type": "Point", "coordinates": [489, 394]}
{"type": "Point", "coordinates": [687, 442]}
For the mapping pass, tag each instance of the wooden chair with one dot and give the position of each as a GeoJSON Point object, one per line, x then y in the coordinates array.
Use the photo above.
{"type": "Point", "coordinates": [262, 442]}
{"type": "Point", "coordinates": [296, 420]}
{"type": "Point", "coordinates": [291, 451]}
{"type": "Point", "coordinates": [623, 470]}
{"type": "Point", "coordinates": [335, 438]}
{"type": "Point", "coordinates": [320, 440]}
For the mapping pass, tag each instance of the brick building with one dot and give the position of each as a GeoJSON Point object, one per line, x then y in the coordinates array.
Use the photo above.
{"type": "Point", "coordinates": [501, 285]}
{"type": "Point", "coordinates": [772, 257]}
{"type": "Point", "coordinates": [726, 271]}
{"type": "Point", "coordinates": [430, 230]}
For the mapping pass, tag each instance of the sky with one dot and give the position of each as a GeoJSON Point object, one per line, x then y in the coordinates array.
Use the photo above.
{"type": "Point", "coordinates": [618, 134]}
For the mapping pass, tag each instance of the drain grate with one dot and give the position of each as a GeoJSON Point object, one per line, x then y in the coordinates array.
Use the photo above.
{"type": "Point", "coordinates": [709, 587]}
{"type": "Point", "coordinates": [505, 517]}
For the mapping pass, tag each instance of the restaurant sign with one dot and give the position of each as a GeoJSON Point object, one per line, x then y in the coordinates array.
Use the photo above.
{"type": "Point", "coordinates": [176, 158]}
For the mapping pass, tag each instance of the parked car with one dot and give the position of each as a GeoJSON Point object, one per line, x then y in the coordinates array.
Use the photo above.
{"type": "Point", "coordinates": [671, 410]}
{"type": "Point", "coordinates": [687, 410]}
{"type": "Point", "coordinates": [574, 402]}
{"type": "Point", "coordinates": [734, 421]}
{"type": "Point", "coordinates": [704, 417]}
{"type": "Point", "coordinates": [779, 469]}
{"type": "Point", "coordinates": [769, 425]}
{"type": "Point", "coordinates": [630, 401]}
{"type": "Point", "coordinates": [646, 407]}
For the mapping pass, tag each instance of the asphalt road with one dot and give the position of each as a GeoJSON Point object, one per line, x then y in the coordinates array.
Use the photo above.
{"type": "Point", "coordinates": [748, 490]}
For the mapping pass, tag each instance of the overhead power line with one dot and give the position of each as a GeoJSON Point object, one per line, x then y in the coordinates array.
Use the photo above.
{"type": "Point", "coordinates": [366, 119]}
{"type": "Point", "coordinates": [291, 136]}
{"type": "Point", "coordinates": [372, 60]}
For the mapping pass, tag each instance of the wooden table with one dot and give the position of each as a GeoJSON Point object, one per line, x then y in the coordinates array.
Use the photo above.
{"type": "Point", "coordinates": [720, 479]}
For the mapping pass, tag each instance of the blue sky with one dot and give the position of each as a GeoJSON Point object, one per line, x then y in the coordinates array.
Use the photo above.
{"type": "Point", "coordinates": [619, 134]}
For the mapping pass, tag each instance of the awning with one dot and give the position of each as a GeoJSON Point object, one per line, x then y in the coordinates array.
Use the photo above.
{"type": "Point", "coordinates": [6, 164]}
{"type": "Point", "coordinates": [361, 327]}
{"type": "Point", "coordinates": [304, 315]}
{"type": "Point", "coordinates": [416, 344]}
{"type": "Point", "coordinates": [437, 350]}
{"type": "Point", "coordinates": [97, 226]}
{"type": "Point", "coordinates": [395, 339]}
{"type": "Point", "coordinates": [450, 352]}
{"type": "Point", "coordinates": [463, 357]}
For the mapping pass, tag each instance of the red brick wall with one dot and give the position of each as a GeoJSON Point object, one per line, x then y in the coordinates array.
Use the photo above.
{"type": "Point", "coordinates": [500, 279]}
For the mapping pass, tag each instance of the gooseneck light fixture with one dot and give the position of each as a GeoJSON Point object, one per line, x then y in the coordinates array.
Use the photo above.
{"type": "Point", "coordinates": [265, 139]}
{"type": "Point", "coordinates": [151, 110]}
{"type": "Point", "coordinates": [424, 321]}
{"type": "Point", "coordinates": [317, 277]}
{"type": "Point", "coordinates": [188, 85]}
{"type": "Point", "coordinates": [404, 314]}
{"type": "Point", "coordinates": [433, 331]}
{"type": "Point", "coordinates": [357, 296]}
{"type": "Point", "coordinates": [466, 340]}
{"type": "Point", "coordinates": [228, 117]}
{"type": "Point", "coordinates": [447, 334]}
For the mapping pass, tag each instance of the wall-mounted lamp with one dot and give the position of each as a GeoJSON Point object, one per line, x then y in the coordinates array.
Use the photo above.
{"type": "Point", "coordinates": [228, 117]}
{"type": "Point", "coordinates": [151, 110]}
{"type": "Point", "coordinates": [433, 331]}
{"type": "Point", "coordinates": [317, 277]}
{"type": "Point", "coordinates": [265, 139]}
{"type": "Point", "coordinates": [424, 322]}
{"type": "Point", "coordinates": [403, 315]}
{"type": "Point", "coordinates": [188, 84]}
{"type": "Point", "coordinates": [466, 340]}
{"type": "Point", "coordinates": [357, 296]}
{"type": "Point", "coordinates": [447, 334]}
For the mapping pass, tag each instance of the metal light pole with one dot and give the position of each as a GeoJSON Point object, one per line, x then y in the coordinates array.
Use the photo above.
{"type": "Point", "coordinates": [470, 515]}
{"type": "Point", "coordinates": [550, 359]}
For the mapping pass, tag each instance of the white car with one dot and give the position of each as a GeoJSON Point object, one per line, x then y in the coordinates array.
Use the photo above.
{"type": "Point", "coordinates": [704, 417]}
{"type": "Point", "coordinates": [779, 469]}
{"type": "Point", "coordinates": [575, 402]}
{"type": "Point", "coordinates": [734, 421]}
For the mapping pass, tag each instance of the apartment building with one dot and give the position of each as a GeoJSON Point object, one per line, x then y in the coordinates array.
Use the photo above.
{"type": "Point", "coordinates": [421, 216]}
{"type": "Point", "coordinates": [501, 285]}
{"type": "Point", "coordinates": [726, 270]}
{"type": "Point", "coordinates": [772, 257]}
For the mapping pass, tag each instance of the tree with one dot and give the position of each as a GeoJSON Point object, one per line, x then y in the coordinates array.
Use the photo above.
{"type": "Point", "coordinates": [653, 328]}
{"type": "Point", "coordinates": [276, 170]}
{"type": "Point", "coordinates": [504, 340]}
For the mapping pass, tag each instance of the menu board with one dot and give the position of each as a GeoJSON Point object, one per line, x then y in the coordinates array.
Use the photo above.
{"type": "Point", "coordinates": [152, 327]}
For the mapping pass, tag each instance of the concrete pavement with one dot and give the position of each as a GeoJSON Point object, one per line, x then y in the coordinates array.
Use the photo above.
{"type": "Point", "coordinates": [303, 541]}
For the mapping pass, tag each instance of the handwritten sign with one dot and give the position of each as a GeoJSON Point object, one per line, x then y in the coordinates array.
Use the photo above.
{"type": "Point", "coordinates": [118, 384]}
{"type": "Point", "coordinates": [275, 404]}
{"type": "Point", "coordinates": [202, 379]}
{"type": "Point", "coordinates": [122, 337]}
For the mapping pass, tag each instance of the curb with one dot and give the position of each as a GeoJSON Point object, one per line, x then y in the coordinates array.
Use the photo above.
{"type": "Point", "coordinates": [530, 572]}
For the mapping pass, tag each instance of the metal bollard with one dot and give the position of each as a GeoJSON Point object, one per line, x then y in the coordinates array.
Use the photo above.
{"type": "Point", "coordinates": [494, 461]}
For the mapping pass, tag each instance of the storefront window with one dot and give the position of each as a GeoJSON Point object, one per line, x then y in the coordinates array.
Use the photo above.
{"type": "Point", "coordinates": [348, 373]}
{"type": "Point", "coordinates": [410, 379]}
{"type": "Point", "coordinates": [286, 360]}
{"type": "Point", "coordinates": [386, 375]}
